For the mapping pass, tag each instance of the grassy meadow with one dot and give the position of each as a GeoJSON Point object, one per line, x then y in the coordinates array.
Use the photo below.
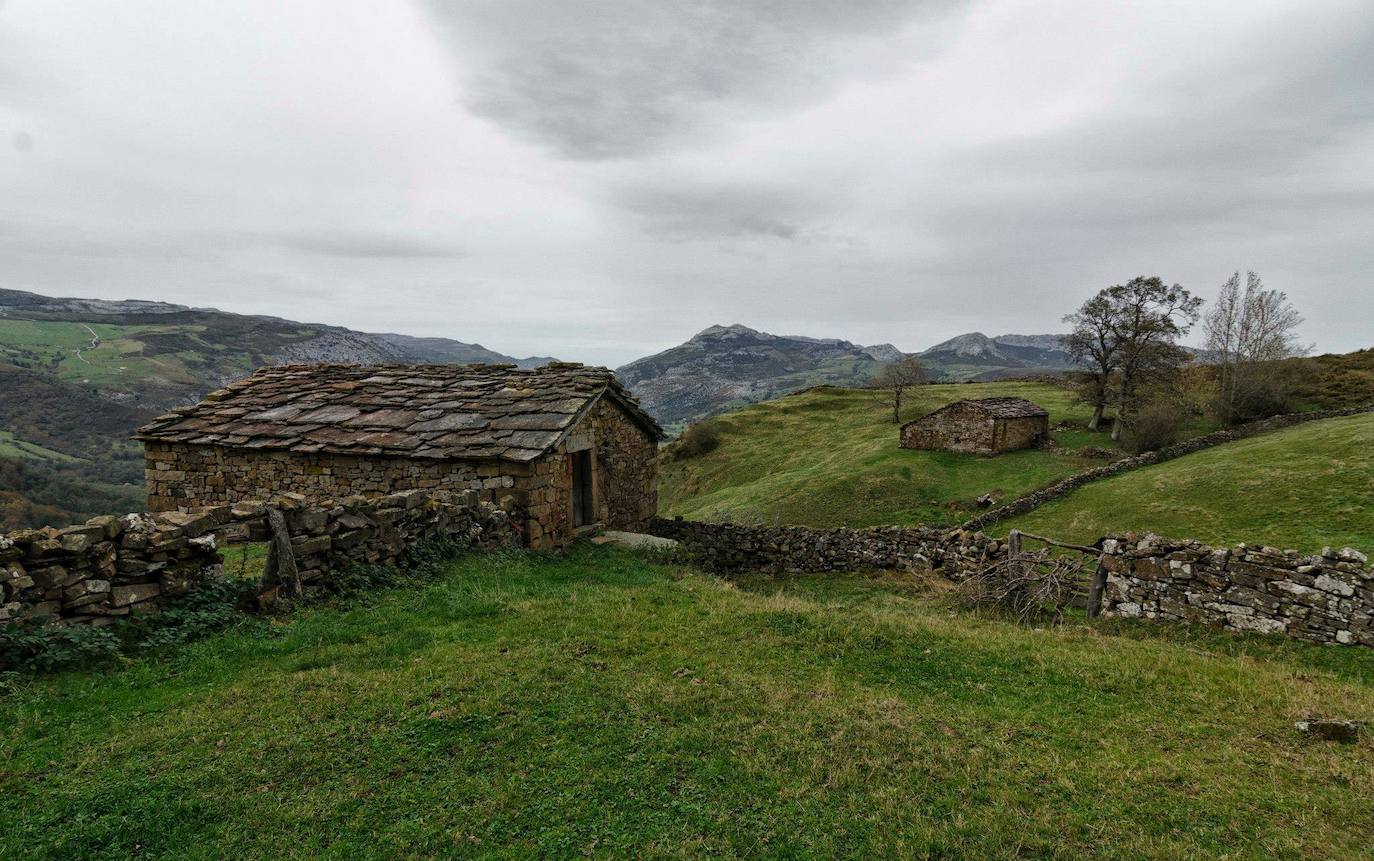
{"type": "Point", "coordinates": [122, 357]}
{"type": "Point", "coordinates": [601, 703]}
{"type": "Point", "coordinates": [1302, 488]}
{"type": "Point", "coordinates": [829, 457]}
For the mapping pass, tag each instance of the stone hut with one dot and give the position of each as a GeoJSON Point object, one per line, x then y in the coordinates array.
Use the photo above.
{"type": "Point", "coordinates": [982, 426]}
{"type": "Point", "coordinates": [565, 447]}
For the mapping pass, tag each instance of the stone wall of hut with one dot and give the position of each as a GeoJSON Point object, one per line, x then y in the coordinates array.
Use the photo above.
{"type": "Point", "coordinates": [967, 429]}
{"type": "Point", "coordinates": [181, 476]}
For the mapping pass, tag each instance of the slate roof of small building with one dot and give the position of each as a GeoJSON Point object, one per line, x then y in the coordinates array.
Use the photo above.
{"type": "Point", "coordinates": [1002, 408]}
{"type": "Point", "coordinates": [449, 412]}
{"type": "Point", "coordinates": [1009, 408]}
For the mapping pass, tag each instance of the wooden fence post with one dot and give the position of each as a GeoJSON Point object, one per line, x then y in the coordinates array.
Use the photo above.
{"type": "Point", "coordinates": [280, 568]}
{"type": "Point", "coordinates": [1095, 592]}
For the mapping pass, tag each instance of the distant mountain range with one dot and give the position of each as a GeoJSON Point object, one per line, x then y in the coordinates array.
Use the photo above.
{"type": "Point", "coordinates": [159, 354]}
{"type": "Point", "coordinates": [77, 376]}
{"type": "Point", "coordinates": [975, 356]}
{"type": "Point", "coordinates": [724, 367]}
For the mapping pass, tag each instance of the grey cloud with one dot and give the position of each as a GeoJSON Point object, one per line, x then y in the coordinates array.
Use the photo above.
{"type": "Point", "coordinates": [1202, 152]}
{"type": "Point", "coordinates": [600, 79]}
{"type": "Point", "coordinates": [352, 244]}
{"type": "Point", "coordinates": [686, 211]}
{"type": "Point", "coordinates": [797, 166]}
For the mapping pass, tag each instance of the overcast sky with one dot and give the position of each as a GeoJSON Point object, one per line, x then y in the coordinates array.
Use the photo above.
{"type": "Point", "coordinates": [599, 180]}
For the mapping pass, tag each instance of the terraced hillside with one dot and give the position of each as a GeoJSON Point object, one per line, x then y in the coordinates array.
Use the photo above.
{"type": "Point", "coordinates": [829, 457]}
{"type": "Point", "coordinates": [1303, 488]}
{"type": "Point", "coordinates": [598, 704]}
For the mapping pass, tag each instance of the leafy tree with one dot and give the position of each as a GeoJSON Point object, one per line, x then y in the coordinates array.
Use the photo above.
{"type": "Point", "coordinates": [1126, 335]}
{"type": "Point", "coordinates": [895, 378]}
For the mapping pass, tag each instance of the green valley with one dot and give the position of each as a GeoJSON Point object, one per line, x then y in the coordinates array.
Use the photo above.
{"type": "Point", "coordinates": [829, 457]}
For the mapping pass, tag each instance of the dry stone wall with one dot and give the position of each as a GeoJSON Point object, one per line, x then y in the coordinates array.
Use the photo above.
{"type": "Point", "coordinates": [1324, 598]}
{"type": "Point", "coordinates": [120, 566]}
{"type": "Point", "coordinates": [727, 548]}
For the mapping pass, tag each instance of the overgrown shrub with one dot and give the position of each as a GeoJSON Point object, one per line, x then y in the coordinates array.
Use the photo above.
{"type": "Point", "coordinates": [1155, 425]}
{"type": "Point", "coordinates": [696, 441]}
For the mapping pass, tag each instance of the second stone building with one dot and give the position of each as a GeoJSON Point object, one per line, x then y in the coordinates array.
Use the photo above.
{"type": "Point", "coordinates": [982, 426]}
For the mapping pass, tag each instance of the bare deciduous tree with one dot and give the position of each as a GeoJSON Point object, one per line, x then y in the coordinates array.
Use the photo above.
{"type": "Point", "coordinates": [1249, 332]}
{"type": "Point", "coordinates": [895, 378]}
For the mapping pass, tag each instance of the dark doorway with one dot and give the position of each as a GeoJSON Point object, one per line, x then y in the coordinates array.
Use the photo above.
{"type": "Point", "coordinates": [582, 510]}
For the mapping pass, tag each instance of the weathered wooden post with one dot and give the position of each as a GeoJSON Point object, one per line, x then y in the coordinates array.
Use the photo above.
{"type": "Point", "coordinates": [280, 569]}
{"type": "Point", "coordinates": [1098, 585]}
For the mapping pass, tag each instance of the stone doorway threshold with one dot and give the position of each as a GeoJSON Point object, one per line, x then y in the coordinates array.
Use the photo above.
{"type": "Point", "coordinates": [633, 539]}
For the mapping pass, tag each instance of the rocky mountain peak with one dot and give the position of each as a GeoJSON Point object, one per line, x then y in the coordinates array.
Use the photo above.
{"type": "Point", "coordinates": [733, 330]}
{"type": "Point", "coordinates": [971, 344]}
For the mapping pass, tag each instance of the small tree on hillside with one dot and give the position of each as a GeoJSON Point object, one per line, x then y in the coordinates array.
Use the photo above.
{"type": "Point", "coordinates": [1250, 332]}
{"type": "Point", "coordinates": [1148, 318]}
{"type": "Point", "coordinates": [895, 378]}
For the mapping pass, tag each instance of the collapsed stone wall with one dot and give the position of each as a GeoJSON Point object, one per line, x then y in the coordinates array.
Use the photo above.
{"type": "Point", "coordinates": [1063, 487]}
{"type": "Point", "coordinates": [112, 567]}
{"type": "Point", "coordinates": [1323, 598]}
{"type": "Point", "coordinates": [726, 548]}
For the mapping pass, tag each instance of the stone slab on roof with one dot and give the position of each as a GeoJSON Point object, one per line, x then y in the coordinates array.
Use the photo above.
{"type": "Point", "coordinates": [1002, 408]}
{"type": "Point", "coordinates": [1008, 408]}
{"type": "Point", "coordinates": [446, 412]}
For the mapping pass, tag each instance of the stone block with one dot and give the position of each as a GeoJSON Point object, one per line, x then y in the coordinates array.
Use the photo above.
{"type": "Point", "coordinates": [122, 596]}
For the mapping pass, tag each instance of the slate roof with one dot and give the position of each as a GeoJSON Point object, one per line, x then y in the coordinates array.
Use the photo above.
{"type": "Point", "coordinates": [1002, 408]}
{"type": "Point", "coordinates": [1007, 408]}
{"type": "Point", "coordinates": [448, 412]}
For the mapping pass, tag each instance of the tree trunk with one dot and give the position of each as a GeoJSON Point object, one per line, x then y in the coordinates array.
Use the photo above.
{"type": "Point", "coordinates": [1096, 421]}
{"type": "Point", "coordinates": [896, 406]}
{"type": "Point", "coordinates": [1116, 428]}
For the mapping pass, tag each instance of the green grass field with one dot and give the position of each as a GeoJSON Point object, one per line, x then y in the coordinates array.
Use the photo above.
{"type": "Point", "coordinates": [120, 358]}
{"type": "Point", "coordinates": [1302, 488]}
{"type": "Point", "coordinates": [829, 457]}
{"type": "Point", "coordinates": [599, 704]}
{"type": "Point", "coordinates": [12, 446]}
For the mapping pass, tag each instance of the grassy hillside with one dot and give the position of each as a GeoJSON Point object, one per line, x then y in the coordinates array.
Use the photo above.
{"type": "Point", "coordinates": [64, 452]}
{"type": "Point", "coordinates": [596, 704]}
{"type": "Point", "coordinates": [1335, 380]}
{"type": "Point", "coordinates": [1302, 488]}
{"type": "Point", "coordinates": [829, 457]}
